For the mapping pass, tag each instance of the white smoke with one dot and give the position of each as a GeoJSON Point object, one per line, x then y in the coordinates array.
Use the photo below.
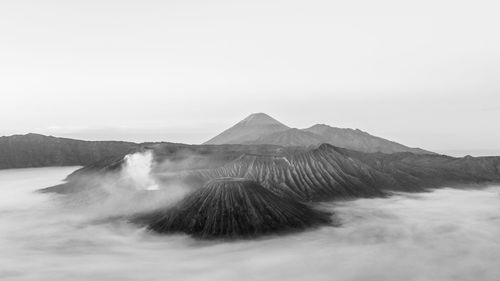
{"type": "Point", "coordinates": [132, 190]}
{"type": "Point", "coordinates": [137, 171]}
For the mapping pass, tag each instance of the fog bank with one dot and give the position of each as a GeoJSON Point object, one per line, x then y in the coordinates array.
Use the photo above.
{"type": "Point", "coordinates": [448, 234]}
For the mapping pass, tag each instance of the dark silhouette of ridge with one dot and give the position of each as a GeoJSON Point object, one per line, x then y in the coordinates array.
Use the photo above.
{"type": "Point", "coordinates": [35, 150]}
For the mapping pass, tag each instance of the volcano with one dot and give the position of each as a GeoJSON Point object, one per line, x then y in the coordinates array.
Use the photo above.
{"type": "Point", "coordinates": [251, 190]}
{"type": "Point", "coordinates": [234, 208]}
{"type": "Point", "coordinates": [249, 129]}
{"type": "Point", "coordinates": [260, 128]}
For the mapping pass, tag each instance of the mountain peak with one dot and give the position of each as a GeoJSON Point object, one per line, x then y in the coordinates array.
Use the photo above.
{"type": "Point", "coordinates": [320, 126]}
{"type": "Point", "coordinates": [260, 119]}
{"type": "Point", "coordinates": [249, 129]}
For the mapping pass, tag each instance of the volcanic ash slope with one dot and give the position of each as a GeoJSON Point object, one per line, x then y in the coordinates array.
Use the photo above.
{"type": "Point", "coordinates": [233, 208]}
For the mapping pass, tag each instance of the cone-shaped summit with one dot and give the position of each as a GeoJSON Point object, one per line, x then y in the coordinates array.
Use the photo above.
{"type": "Point", "coordinates": [249, 129]}
{"type": "Point", "coordinates": [233, 208]}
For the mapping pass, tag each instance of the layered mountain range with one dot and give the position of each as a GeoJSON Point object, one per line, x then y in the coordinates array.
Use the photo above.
{"type": "Point", "coordinates": [305, 173]}
{"type": "Point", "coordinates": [250, 190]}
{"type": "Point", "coordinates": [325, 172]}
{"type": "Point", "coordinates": [260, 128]}
{"type": "Point", "coordinates": [35, 150]}
{"type": "Point", "coordinates": [258, 177]}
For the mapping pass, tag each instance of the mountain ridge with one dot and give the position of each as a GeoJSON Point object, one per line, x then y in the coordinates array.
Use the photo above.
{"type": "Point", "coordinates": [274, 132]}
{"type": "Point", "coordinates": [36, 150]}
{"type": "Point", "coordinates": [288, 176]}
{"type": "Point", "coordinates": [310, 174]}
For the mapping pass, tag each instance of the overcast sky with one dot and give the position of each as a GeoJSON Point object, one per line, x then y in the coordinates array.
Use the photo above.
{"type": "Point", "coordinates": [423, 73]}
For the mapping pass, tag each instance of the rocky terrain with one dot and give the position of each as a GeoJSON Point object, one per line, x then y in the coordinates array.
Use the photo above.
{"type": "Point", "coordinates": [233, 208]}
{"type": "Point", "coordinates": [326, 172]}
{"type": "Point", "coordinates": [287, 176]}
{"type": "Point", "coordinates": [311, 174]}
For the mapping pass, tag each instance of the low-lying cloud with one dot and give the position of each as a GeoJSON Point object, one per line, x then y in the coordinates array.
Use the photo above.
{"type": "Point", "coordinates": [444, 235]}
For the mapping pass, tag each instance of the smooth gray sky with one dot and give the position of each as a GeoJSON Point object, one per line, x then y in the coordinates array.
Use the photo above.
{"type": "Point", "coordinates": [423, 73]}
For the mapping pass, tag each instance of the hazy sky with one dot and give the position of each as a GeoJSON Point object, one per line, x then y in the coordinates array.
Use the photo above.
{"type": "Point", "coordinates": [423, 73]}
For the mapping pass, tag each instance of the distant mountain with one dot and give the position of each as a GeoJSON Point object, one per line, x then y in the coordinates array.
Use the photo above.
{"type": "Point", "coordinates": [359, 140]}
{"type": "Point", "coordinates": [249, 129]}
{"type": "Point", "coordinates": [262, 129]}
{"type": "Point", "coordinates": [34, 150]}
